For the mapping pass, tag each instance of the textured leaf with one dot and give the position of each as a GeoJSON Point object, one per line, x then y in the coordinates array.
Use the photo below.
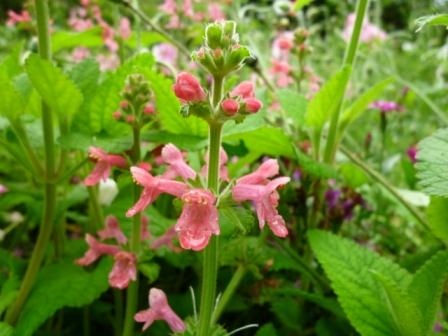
{"type": "Point", "coordinates": [404, 312]}
{"type": "Point", "coordinates": [437, 214]}
{"type": "Point", "coordinates": [432, 20]}
{"type": "Point", "coordinates": [323, 105]}
{"type": "Point", "coordinates": [63, 284]}
{"type": "Point", "coordinates": [349, 268]}
{"type": "Point", "coordinates": [432, 164]}
{"type": "Point", "coordinates": [55, 88]}
{"type": "Point", "coordinates": [293, 104]}
{"type": "Point", "coordinates": [362, 103]}
{"type": "Point", "coordinates": [427, 285]}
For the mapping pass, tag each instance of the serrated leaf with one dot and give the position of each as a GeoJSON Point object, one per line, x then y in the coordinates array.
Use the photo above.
{"type": "Point", "coordinates": [294, 105]}
{"type": "Point", "coordinates": [432, 163]}
{"type": "Point", "coordinates": [437, 214]}
{"type": "Point", "coordinates": [426, 288]}
{"type": "Point", "coordinates": [355, 110]}
{"type": "Point", "coordinates": [349, 268]}
{"type": "Point", "coordinates": [403, 311]}
{"type": "Point", "coordinates": [321, 108]}
{"type": "Point", "coordinates": [55, 88]}
{"type": "Point", "coordinates": [432, 20]}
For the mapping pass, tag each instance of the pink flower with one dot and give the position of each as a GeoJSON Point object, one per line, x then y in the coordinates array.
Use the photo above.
{"type": "Point", "coordinates": [188, 8]}
{"type": "Point", "coordinates": [153, 186]}
{"type": "Point", "coordinates": [188, 88]}
{"type": "Point", "coordinates": [165, 52]}
{"type": "Point", "coordinates": [369, 32]}
{"type": "Point", "coordinates": [124, 270]}
{"type": "Point", "coordinates": [169, 7]}
{"type": "Point", "coordinates": [215, 12]}
{"type": "Point", "coordinates": [173, 156]}
{"type": "Point", "coordinates": [149, 109]}
{"type": "Point", "coordinates": [223, 171]}
{"type": "Point", "coordinates": [159, 310]}
{"type": "Point", "coordinates": [104, 164]}
{"type": "Point", "coordinates": [386, 106]}
{"type": "Point", "coordinates": [80, 54]}
{"type": "Point", "coordinates": [125, 28]}
{"type": "Point", "coordinates": [412, 154]}
{"type": "Point", "coordinates": [144, 232]}
{"type": "Point", "coordinates": [252, 105]}
{"type": "Point", "coordinates": [199, 219]}
{"type": "Point", "coordinates": [256, 187]}
{"type": "Point", "coordinates": [166, 239]}
{"type": "Point", "coordinates": [230, 106]}
{"type": "Point", "coordinates": [108, 36]}
{"type": "Point", "coordinates": [112, 230]}
{"type": "Point", "coordinates": [14, 18]}
{"type": "Point", "coordinates": [244, 90]}
{"type": "Point", "coordinates": [108, 62]}
{"type": "Point", "coordinates": [77, 20]}
{"type": "Point", "coordinates": [174, 22]}
{"type": "Point", "coordinates": [95, 251]}
{"type": "Point", "coordinates": [3, 189]}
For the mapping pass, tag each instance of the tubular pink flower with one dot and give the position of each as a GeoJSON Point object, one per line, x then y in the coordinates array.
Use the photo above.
{"type": "Point", "coordinates": [125, 28]}
{"type": "Point", "coordinates": [153, 186]}
{"type": "Point", "coordinates": [14, 18]}
{"type": "Point", "coordinates": [188, 89]}
{"type": "Point", "coordinates": [112, 230]}
{"type": "Point", "coordinates": [104, 164]}
{"type": "Point", "coordinates": [199, 219]}
{"type": "Point", "coordinates": [267, 169]}
{"type": "Point", "coordinates": [252, 105]}
{"type": "Point", "coordinates": [159, 310]}
{"type": "Point", "coordinates": [244, 90]}
{"type": "Point", "coordinates": [95, 251]}
{"type": "Point", "coordinates": [173, 156]}
{"type": "Point", "coordinates": [230, 106]}
{"type": "Point", "coordinates": [124, 270]}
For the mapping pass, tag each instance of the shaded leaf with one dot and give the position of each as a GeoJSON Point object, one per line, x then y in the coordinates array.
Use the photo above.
{"type": "Point", "coordinates": [437, 213]}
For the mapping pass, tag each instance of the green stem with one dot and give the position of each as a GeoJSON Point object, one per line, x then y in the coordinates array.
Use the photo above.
{"type": "Point", "coordinates": [228, 293]}
{"type": "Point", "coordinates": [118, 302]}
{"type": "Point", "coordinates": [132, 291]}
{"type": "Point", "coordinates": [97, 217]}
{"type": "Point", "coordinates": [349, 59]}
{"type": "Point", "coordinates": [50, 188]}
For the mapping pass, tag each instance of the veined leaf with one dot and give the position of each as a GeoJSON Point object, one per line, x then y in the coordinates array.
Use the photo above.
{"type": "Point", "coordinates": [437, 213]}
{"type": "Point", "coordinates": [321, 108]}
{"type": "Point", "coordinates": [55, 88]}
{"type": "Point", "coordinates": [426, 288]}
{"type": "Point", "coordinates": [361, 104]}
{"type": "Point", "coordinates": [294, 105]}
{"type": "Point", "coordinates": [403, 311]}
{"type": "Point", "coordinates": [350, 268]}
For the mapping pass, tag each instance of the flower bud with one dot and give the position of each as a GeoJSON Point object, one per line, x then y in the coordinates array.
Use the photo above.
{"type": "Point", "coordinates": [149, 109]}
{"type": "Point", "coordinates": [237, 56]}
{"type": "Point", "coordinates": [124, 104]}
{"type": "Point", "coordinates": [213, 35]}
{"type": "Point", "coordinates": [188, 88]}
{"type": "Point", "coordinates": [116, 115]}
{"type": "Point", "coordinates": [253, 105]}
{"type": "Point", "coordinates": [230, 106]}
{"type": "Point", "coordinates": [130, 119]}
{"type": "Point", "coordinates": [244, 90]}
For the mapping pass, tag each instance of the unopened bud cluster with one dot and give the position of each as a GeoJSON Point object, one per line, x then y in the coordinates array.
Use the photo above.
{"type": "Point", "coordinates": [137, 106]}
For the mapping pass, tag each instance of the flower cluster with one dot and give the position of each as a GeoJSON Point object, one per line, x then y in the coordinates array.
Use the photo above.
{"type": "Point", "coordinates": [17, 18]}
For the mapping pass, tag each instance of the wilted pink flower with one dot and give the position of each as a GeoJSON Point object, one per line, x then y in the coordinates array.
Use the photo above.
{"type": "Point", "coordinates": [215, 12]}
{"type": "Point", "coordinates": [112, 230]}
{"type": "Point", "coordinates": [165, 52]}
{"type": "Point", "coordinates": [124, 270]}
{"type": "Point", "coordinates": [230, 106]}
{"type": "Point", "coordinates": [125, 28]}
{"type": "Point", "coordinates": [223, 171]}
{"type": "Point", "coordinates": [173, 156]}
{"type": "Point", "coordinates": [108, 62]}
{"type": "Point", "coordinates": [3, 189]}
{"type": "Point", "coordinates": [244, 90]}
{"type": "Point", "coordinates": [153, 186]}
{"type": "Point", "coordinates": [199, 219]}
{"type": "Point", "coordinates": [159, 310]}
{"type": "Point", "coordinates": [386, 106]}
{"type": "Point", "coordinates": [96, 250]}
{"type": "Point", "coordinates": [188, 88]}
{"type": "Point", "coordinates": [14, 18]}
{"type": "Point", "coordinates": [252, 105]}
{"type": "Point", "coordinates": [166, 239]}
{"type": "Point", "coordinates": [104, 164]}
{"type": "Point", "coordinates": [256, 187]}
{"type": "Point", "coordinates": [80, 54]}
{"type": "Point", "coordinates": [412, 154]}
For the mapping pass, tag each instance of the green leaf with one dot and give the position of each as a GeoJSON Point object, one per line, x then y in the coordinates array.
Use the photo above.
{"type": "Point", "coordinates": [321, 108]}
{"type": "Point", "coordinates": [9, 292]}
{"type": "Point", "coordinates": [362, 103]}
{"type": "Point", "coordinates": [294, 105]}
{"type": "Point", "coordinates": [299, 4]}
{"type": "Point", "coordinates": [426, 287]}
{"type": "Point", "coordinates": [235, 219]}
{"type": "Point", "coordinates": [11, 101]}
{"type": "Point", "coordinates": [5, 329]}
{"type": "Point", "coordinates": [353, 175]}
{"type": "Point", "coordinates": [52, 291]}
{"type": "Point", "coordinates": [267, 330]}
{"type": "Point", "coordinates": [287, 310]}
{"type": "Point", "coordinates": [55, 88]}
{"type": "Point", "coordinates": [437, 214]}
{"type": "Point", "coordinates": [183, 141]}
{"type": "Point", "coordinates": [67, 39]}
{"type": "Point", "coordinates": [432, 163]}
{"type": "Point", "coordinates": [349, 267]}
{"type": "Point", "coordinates": [432, 20]}
{"type": "Point", "coordinates": [82, 142]}
{"type": "Point", "coordinates": [313, 167]}
{"type": "Point", "coordinates": [404, 312]}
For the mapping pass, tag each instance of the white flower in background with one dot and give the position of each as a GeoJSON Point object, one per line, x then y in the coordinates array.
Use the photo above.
{"type": "Point", "coordinates": [108, 191]}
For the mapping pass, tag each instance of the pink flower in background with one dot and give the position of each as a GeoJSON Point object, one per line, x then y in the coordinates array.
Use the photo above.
{"type": "Point", "coordinates": [166, 239]}
{"type": "Point", "coordinates": [369, 31]}
{"type": "Point", "coordinates": [215, 12]}
{"type": "Point", "coordinates": [15, 18]}
{"type": "Point", "coordinates": [199, 219]}
{"type": "Point", "coordinates": [78, 21]}
{"type": "Point", "coordinates": [187, 88]}
{"type": "Point", "coordinates": [386, 106]}
{"type": "Point", "coordinates": [252, 105]}
{"type": "Point", "coordinates": [173, 156]}
{"type": "Point", "coordinates": [108, 36]}
{"type": "Point", "coordinates": [124, 270]}
{"type": "Point", "coordinates": [281, 71]}
{"type": "Point", "coordinates": [165, 52]}
{"type": "Point", "coordinates": [256, 187]}
{"type": "Point", "coordinates": [95, 251]}
{"type": "Point", "coordinates": [282, 46]}
{"type": "Point", "coordinates": [3, 189]}
{"type": "Point", "coordinates": [169, 7]}
{"type": "Point", "coordinates": [159, 309]}
{"type": "Point", "coordinates": [174, 22]}
{"type": "Point", "coordinates": [104, 164]}
{"type": "Point", "coordinates": [144, 232]}
{"type": "Point", "coordinates": [188, 8]}
{"type": "Point", "coordinates": [112, 230]}
{"type": "Point", "coordinates": [108, 62]}
{"type": "Point", "coordinates": [79, 54]}
{"type": "Point", "coordinates": [223, 171]}
{"type": "Point", "coordinates": [244, 90]}
{"type": "Point", "coordinates": [153, 186]}
{"type": "Point", "coordinates": [125, 28]}
{"type": "Point", "coordinates": [412, 154]}
{"type": "Point", "coordinates": [85, 3]}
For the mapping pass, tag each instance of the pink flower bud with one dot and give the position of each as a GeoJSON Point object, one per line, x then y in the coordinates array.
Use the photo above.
{"type": "Point", "coordinates": [230, 106]}
{"type": "Point", "coordinates": [130, 119]}
{"type": "Point", "coordinates": [149, 109]}
{"type": "Point", "coordinates": [117, 115]}
{"type": "Point", "coordinates": [244, 90]}
{"type": "Point", "coordinates": [124, 104]}
{"type": "Point", "coordinates": [284, 43]}
{"type": "Point", "coordinates": [188, 88]}
{"type": "Point", "coordinates": [253, 105]}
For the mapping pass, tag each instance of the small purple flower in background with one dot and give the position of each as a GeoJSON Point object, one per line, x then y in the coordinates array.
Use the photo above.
{"type": "Point", "coordinates": [437, 328]}
{"type": "Point", "coordinates": [412, 154]}
{"type": "Point", "coordinates": [332, 197]}
{"type": "Point", "coordinates": [297, 175]}
{"type": "Point", "coordinates": [386, 106]}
